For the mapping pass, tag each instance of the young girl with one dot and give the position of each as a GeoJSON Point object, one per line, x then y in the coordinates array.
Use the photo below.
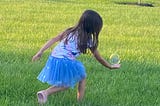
{"type": "Point", "coordinates": [62, 70]}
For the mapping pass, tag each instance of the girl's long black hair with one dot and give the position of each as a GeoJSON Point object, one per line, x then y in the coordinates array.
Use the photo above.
{"type": "Point", "coordinates": [87, 29]}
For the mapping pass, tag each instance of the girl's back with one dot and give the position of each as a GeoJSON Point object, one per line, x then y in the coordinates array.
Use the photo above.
{"type": "Point", "coordinates": [67, 50]}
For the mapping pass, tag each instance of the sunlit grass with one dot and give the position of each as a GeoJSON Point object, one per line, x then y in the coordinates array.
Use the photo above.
{"type": "Point", "coordinates": [131, 31]}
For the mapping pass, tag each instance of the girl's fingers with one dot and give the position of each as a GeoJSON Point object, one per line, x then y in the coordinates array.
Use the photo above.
{"type": "Point", "coordinates": [116, 66]}
{"type": "Point", "coordinates": [35, 58]}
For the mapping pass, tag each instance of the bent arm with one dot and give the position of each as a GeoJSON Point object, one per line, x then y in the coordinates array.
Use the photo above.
{"type": "Point", "coordinates": [101, 60]}
{"type": "Point", "coordinates": [46, 46]}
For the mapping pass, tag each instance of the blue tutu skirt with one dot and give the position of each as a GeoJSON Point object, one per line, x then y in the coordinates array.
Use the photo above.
{"type": "Point", "coordinates": [62, 72]}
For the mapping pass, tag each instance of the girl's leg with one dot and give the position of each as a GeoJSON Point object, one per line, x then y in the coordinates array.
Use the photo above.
{"type": "Point", "coordinates": [54, 89]}
{"type": "Point", "coordinates": [42, 95]}
{"type": "Point", "coordinates": [81, 90]}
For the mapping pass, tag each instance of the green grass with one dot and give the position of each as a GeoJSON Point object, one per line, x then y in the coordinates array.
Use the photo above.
{"type": "Point", "coordinates": [131, 31]}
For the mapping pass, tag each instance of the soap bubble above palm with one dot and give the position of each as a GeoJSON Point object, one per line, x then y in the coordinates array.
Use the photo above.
{"type": "Point", "coordinates": [114, 59]}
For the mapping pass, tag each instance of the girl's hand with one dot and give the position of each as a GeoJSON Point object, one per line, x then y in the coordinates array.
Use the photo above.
{"type": "Point", "coordinates": [115, 66]}
{"type": "Point", "coordinates": [37, 56]}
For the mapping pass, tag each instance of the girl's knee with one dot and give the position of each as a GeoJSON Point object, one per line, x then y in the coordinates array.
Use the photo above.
{"type": "Point", "coordinates": [82, 81]}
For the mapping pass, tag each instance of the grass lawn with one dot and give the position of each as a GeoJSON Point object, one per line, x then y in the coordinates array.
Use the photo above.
{"type": "Point", "coordinates": [131, 31]}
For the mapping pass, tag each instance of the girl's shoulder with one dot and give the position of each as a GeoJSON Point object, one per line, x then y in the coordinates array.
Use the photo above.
{"type": "Point", "coordinates": [71, 36]}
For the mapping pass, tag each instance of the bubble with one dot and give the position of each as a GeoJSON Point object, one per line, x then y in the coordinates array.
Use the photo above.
{"type": "Point", "coordinates": [114, 59]}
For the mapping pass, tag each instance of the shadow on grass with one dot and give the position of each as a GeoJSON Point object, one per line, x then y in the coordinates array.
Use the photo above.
{"type": "Point", "coordinates": [135, 3]}
{"type": "Point", "coordinates": [134, 80]}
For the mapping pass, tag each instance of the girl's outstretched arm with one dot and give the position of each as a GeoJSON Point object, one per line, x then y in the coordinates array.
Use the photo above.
{"type": "Point", "coordinates": [46, 46]}
{"type": "Point", "coordinates": [101, 60]}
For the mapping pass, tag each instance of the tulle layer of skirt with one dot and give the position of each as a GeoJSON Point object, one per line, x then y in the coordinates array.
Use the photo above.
{"type": "Point", "coordinates": [62, 72]}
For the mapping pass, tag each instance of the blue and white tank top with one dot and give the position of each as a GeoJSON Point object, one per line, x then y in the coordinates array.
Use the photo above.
{"type": "Point", "coordinates": [69, 50]}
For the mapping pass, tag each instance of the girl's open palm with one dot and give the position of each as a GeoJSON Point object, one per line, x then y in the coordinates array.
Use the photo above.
{"type": "Point", "coordinates": [116, 66]}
